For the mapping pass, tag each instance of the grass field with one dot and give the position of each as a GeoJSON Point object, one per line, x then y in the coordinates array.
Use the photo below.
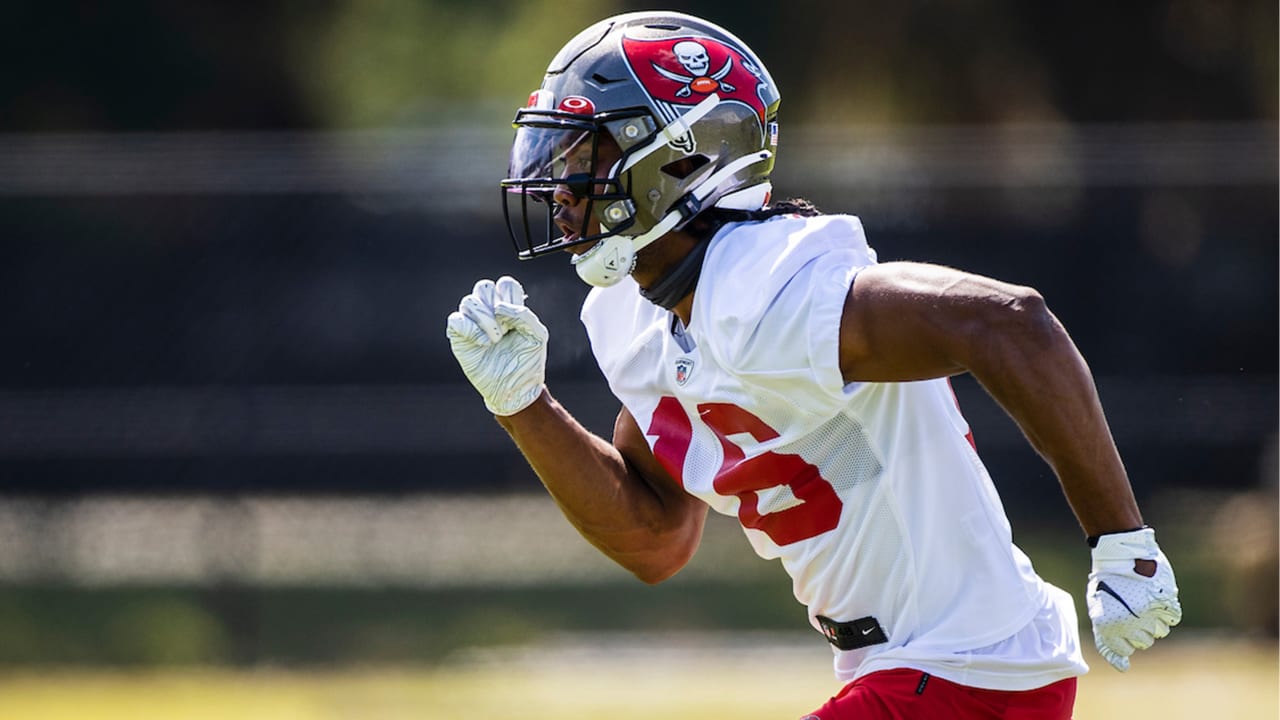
{"type": "Point", "coordinates": [1225, 680]}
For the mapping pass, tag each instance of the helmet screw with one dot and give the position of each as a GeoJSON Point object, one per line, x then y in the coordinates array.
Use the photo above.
{"type": "Point", "coordinates": [616, 214]}
{"type": "Point", "coordinates": [654, 195]}
{"type": "Point", "coordinates": [631, 131]}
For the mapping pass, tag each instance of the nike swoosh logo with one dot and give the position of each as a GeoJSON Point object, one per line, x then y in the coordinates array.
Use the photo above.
{"type": "Point", "coordinates": [868, 631]}
{"type": "Point", "coordinates": [1104, 587]}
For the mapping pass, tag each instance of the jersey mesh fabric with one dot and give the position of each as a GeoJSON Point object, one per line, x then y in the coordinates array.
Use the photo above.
{"type": "Point", "coordinates": [869, 493]}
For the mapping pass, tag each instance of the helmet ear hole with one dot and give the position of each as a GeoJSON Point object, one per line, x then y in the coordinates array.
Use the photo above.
{"type": "Point", "coordinates": [686, 166]}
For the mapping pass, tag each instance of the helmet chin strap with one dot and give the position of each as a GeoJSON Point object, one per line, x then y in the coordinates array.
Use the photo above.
{"type": "Point", "coordinates": [614, 257]}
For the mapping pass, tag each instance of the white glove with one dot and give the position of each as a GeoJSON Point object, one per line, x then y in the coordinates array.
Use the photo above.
{"type": "Point", "coordinates": [500, 344]}
{"type": "Point", "coordinates": [1129, 610]}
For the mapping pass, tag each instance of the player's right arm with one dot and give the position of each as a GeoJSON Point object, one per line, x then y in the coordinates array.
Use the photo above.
{"type": "Point", "coordinates": [616, 494]}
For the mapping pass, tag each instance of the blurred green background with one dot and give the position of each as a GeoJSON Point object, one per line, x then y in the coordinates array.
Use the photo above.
{"type": "Point", "coordinates": [231, 431]}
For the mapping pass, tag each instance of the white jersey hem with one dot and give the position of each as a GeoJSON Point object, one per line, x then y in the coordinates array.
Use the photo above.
{"type": "Point", "coordinates": [1044, 651]}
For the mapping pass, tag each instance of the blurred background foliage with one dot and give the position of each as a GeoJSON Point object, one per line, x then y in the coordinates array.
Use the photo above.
{"type": "Point", "coordinates": [231, 431]}
{"type": "Point", "coordinates": [141, 65]}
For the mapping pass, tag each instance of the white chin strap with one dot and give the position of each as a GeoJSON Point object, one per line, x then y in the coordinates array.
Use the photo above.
{"type": "Point", "coordinates": [606, 262]}
{"type": "Point", "coordinates": [614, 257]}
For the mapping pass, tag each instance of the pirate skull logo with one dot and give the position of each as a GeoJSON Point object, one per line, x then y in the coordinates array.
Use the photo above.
{"type": "Point", "coordinates": [694, 59]}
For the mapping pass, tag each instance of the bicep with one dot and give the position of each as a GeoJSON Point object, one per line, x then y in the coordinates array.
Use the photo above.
{"type": "Point", "coordinates": [910, 321]}
{"type": "Point", "coordinates": [640, 460]}
{"type": "Point", "coordinates": [675, 530]}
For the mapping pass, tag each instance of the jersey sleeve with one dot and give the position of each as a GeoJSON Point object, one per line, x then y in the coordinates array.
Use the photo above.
{"type": "Point", "coordinates": [776, 299]}
{"type": "Point", "coordinates": [832, 277]}
{"type": "Point", "coordinates": [840, 253]}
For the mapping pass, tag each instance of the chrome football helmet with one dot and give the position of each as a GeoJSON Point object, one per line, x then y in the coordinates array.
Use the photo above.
{"type": "Point", "coordinates": [693, 111]}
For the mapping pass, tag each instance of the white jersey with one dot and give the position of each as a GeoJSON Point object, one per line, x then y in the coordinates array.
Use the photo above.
{"type": "Point", "coordinates": [870, 494]}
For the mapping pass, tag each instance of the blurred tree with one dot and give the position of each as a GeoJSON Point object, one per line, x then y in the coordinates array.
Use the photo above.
{"type": "Point", "coordinates": [148, 65]}
{"type": "Point", "coordinates": [925, 61]}
{"type": "Point", "coordinates": [410, 63]}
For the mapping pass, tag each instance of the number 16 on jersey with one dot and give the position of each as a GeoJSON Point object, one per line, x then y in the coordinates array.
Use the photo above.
{"type": "Point", "coordinates": [742, 477]}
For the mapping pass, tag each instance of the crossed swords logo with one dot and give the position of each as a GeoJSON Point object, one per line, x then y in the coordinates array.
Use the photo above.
{"type": "Point", "coordinates": [693, 58]}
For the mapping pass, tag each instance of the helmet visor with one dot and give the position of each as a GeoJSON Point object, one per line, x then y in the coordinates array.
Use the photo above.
{"type": "Point", "coordinates": [560, 154]}
{"type": "Point", "coordinates": [551, 153]}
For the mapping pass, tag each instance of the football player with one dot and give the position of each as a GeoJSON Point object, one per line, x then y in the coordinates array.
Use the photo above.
{"type": "Point", "coordinates": [770, 369]}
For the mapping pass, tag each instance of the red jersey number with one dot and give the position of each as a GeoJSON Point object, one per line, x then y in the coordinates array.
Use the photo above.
{"type": "Point", "coordinates": [819, 507]}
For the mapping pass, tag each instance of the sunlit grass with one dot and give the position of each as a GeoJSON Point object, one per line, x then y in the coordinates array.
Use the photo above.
{"type": "Point", "coordinates": [1188, 679]}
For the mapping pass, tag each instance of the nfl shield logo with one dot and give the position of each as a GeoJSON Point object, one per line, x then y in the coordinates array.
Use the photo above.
{"type": "Point", "coordinates": [684, 368]}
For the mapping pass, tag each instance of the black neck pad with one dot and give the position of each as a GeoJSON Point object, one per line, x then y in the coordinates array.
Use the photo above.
{"type": "Point", "coordinates": [680, 281]}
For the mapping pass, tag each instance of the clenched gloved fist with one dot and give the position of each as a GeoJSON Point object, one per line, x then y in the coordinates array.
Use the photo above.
{"type": "Point", "coordinates": [500, 344]}
{"type": "Point", "coordinates": [1129, 610]}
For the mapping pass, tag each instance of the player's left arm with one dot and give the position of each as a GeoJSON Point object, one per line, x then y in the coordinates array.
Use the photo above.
{"type": "Point", "coordinates": [910, 321]}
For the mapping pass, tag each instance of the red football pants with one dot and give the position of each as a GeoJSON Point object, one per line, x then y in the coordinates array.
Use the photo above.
{"type": "Point", "coordinates": [913, 695]}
